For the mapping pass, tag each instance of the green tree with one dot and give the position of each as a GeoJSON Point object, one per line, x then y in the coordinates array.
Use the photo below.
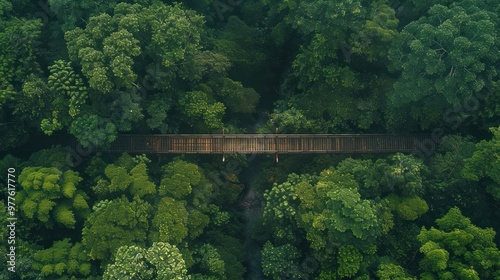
{"type": "Point", "coordinates": [232, 252]}
{"type": "Point", "coordinates": [237, 98]}
{"type": "Point", "coordinates": [211, 263]}
{"type": "Point", "coordinates": [280, 261]}
{"type": "Point", "coordinates": [349, 261]}
{"type": "Point", "coordinates": [62, 260]}
{"type": "Point", "coordinates": [93, 130]}
{"type": "Point", "coordinates": [323, 86]}
{"type": "Point", "coordinates": [160, 261]}
{"type": "Point", "coordinates": [125, 178]}
{"type": "Point", "coordinates": [458, 249]}
{"type": "Point", "coordinates": [135, 60]}
{"type": "Point", "coordinates": [201, 111]}
{"type": "Point", "coordinates": [179, 178]}
{"type": "Point", "coordinates": [50, 195]}
{"type": "Point", "coordinates": [388, 271]}
{"type": "Point", "coordinates": [113, 224]}
{"type": "Point", "coordinates": [19, 45]}
{"type": "Point", "coordinates": [170, 223]}
{"type": "Point", "coordinates": [484, 164]}
{"type": "Point", "coordinates": [444, 57]}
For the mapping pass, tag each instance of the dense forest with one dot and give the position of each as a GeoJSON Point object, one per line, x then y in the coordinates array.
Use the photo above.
{"type": "Point", "coordinates": [96, 69]}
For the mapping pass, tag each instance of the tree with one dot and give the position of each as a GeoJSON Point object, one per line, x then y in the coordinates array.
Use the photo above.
{"type": "Point", "coordinates": [19, 39]}
{"type": "Point", "coordinates": [201, 111]}
{"type": "Point", "coordinates": [137, 59]}
{"type": "Point", "coordinates": [237, 98]}
{"type": "Point", "coordinates": [115, 223]}
{"type": "Point", "coordinates": [231, 251]}
{"type": "Point", "coordinates": [160, 261]}
{"type": "Point", "coordinates": [62, 260]}
{"type": "Point", "coordinates": [179, 178]}
{"type": "Point", "coordinates": [484, 164]}
{"type": "Point", "coordinates": [170, 223]}
{"type": "Point", "coordinates": [388, 271]}
{"type": "Point", "coordinates": [323, 86]}
{"type": "Point", "coordinates": [445, 57]}
{"type": "Point", "coordinates": [238, 43]}
{"type": "Point", "coordinates": [50, 195]}
{"type": "Point", "coordinates": [125, 177]}
{"type": "Point", "coordinates": [349, 261]}
{"type": "Point", "coordinates": [280, 261]}
{"type": "Point", "coordinates": [210, 262]}
{"type": "Point", "coordinates": [281, 208]}
{"type": "Point", "coordinates": [19, 45]}
{"type": "Point", "coordinates": [64, 82]}
{"type": "Point", "coordinates": [458, 249]}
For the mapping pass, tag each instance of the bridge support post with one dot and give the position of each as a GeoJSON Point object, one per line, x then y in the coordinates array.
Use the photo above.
{"type": "Point", "coordinates": [222, 144]}
{"type": "Point", "coordinates": [276, 145]}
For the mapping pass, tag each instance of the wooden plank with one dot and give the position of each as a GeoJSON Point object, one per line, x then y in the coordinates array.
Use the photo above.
{"type": "Point", "coordinates": [266, 143]}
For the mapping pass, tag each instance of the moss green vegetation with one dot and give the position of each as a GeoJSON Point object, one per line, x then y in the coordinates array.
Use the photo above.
{"type": "Point", "coordinates": [96, 69]}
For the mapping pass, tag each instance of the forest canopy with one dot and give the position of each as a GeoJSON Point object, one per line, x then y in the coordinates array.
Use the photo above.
{"type": "Point", "coordinates": [92, 71]}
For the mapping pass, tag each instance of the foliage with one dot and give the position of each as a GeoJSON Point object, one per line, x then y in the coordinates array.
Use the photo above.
{"type": "Point", "coordinates": [199, 109]}
{"type": "Point", "coordinates": [96, 69]}
{"type": "Point", "coordinates": [170, 223]}
{"type": "Point", "coordinates": [211, 263]}
{"type": "Point", "coordinates": [90, 130]}
{"type": "Point", "coordinates": [237, 98]}
{"type": "Point", "coordinates": [50, 195]}
{"type": "Point", "coordinates": [113, 224]}
{"type": "Point", "coordinates": [280, 261]}
{"type": "Point", "coordinates": [444, 57]}
{"type": "Point", "coordinates": [62, 260]}
{"type": "Point", "coordinates": [179, 178]}
{"type": "Point", "coordinates": [458, 249]}
{"type": "Point", "coordinates": [232, 252]}
{"type": "Point", "coordinates": [387, 271]}
{"type": "Point", "coordinates": [484, 163]}
{"type": "Point", "coordinates": [122, 180]}
{"type": "Point", "coordinates": [160, 261]}
{"type": "Point", "coordinates": [349, 261]}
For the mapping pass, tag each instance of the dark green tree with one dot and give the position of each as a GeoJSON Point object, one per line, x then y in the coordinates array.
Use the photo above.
{"type": "Point", "coordinates": [280, 261]}
{"type": "Point", "coordinates": [484, 164]}
{"type": "Point", "coordinates": [445, 57]}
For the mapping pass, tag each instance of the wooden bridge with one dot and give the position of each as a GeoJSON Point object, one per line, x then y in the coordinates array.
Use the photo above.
{"type": "Point", "coordinates": [265, 143]}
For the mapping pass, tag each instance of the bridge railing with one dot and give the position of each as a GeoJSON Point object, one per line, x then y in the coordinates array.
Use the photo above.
{"type": "Point", "coordinates": [265, 143]}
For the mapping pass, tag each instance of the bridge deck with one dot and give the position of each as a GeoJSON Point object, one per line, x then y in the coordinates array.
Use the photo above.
{"type": "Point", "coordinates": [265, 143]}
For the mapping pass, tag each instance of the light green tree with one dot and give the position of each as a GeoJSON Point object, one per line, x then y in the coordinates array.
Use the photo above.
{"type": "Point", "coordinates": [113, 224]}
{"type": "Point", "coordinates": [170, 223]}
{"type": "Point", "coordinates": [458, 249]}
{"type": "Point", "coordinates": [179, 178]}
{"type": "Point", "coordinates": [133, 181]}
{"type": "Point", "coordinates": [160, 261]}
{"type": "Point", "coordinates": [388, 271]}
{"type": "Point", "coordinates": [202, 111]}
{"type": "Point", "coordinates": [50, 196]}
{"type": "Point", "coordinates": [62, 261]}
